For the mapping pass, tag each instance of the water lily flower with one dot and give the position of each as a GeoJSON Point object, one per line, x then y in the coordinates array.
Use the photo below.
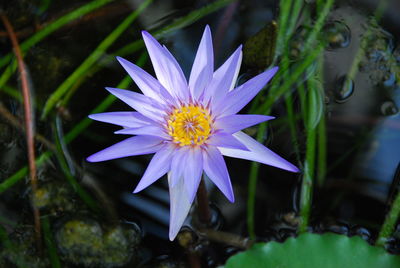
{"type": "Point", "coordinates": [189, 125]}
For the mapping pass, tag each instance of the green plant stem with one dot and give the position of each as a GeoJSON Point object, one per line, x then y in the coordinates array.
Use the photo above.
{"type": "Point", "coordinates": [316, 30]}
{"type": "Point", "coordinates": [307, 183]}
{"type": "Point", "coordinates": [40, 35]}
{"type": "Point", "coordinates": [284, 13]}
{"type": "Point", "coordinates": [309, 163]}
{"type": "Point", "coordinates": [175, 25]}
{"type": "Point", "coordinates": [138, 44]}
{"type": "Point", "coordinates": [92, 58]}
{"type": "Point", "coordinates": [71, 135]}
{"type": "Point", "coordinates": [252, 186]}
{"type": "Point", "coordinates": [322, 153]}
{"type": "Point", "coordinates": [290, 80]}
{"type": "Point", "coordinates": [49, 242]}
{"type": "Point", "coordinates": [361, 50]}
{"type": "Point", "coordinates": [4, 239]}
{"type": "Point", "coordinates": [60, 155]}
{"type": "Point", "coordinates": [389, 224]}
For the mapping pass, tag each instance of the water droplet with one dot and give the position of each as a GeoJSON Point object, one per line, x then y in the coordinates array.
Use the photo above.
{"type": "Point", "coordinates": [361, 232]}
{"type": "Point", "coordinates": [338, 228]}
{"type": "Point", "coordinates": [389, 108]}
{"type": "Point", "coordinates": [389, 80]}
{"type": "Point", "coordinates": [344, 88]}
{"type": "Point", "coordinates": [337, 34]}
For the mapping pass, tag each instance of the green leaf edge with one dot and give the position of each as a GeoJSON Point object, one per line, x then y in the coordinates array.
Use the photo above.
{"type": "Point", "coordinates": [315, 250]}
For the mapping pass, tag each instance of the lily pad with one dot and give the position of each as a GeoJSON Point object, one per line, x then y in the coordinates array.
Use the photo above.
{"type": "Point", "coordinates": [315, 251]}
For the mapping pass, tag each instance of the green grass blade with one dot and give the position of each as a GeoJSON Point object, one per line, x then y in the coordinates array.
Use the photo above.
{"type": "Point", "coordinates": [252, 186]}
{"type": "Point", "coordinates": [322, 151]}
{"type": "Point", "coordinates": [388, 226]}
{"type": "Point", "coordinates": [71, 135]}
{"type": "Point", "coordinates": [177, 24]}
{"type": "Point", "coordinates": [50, 244]}
{"type": "Point", "coordinates": [49, 29]}
{"type": "Point", "coordinates": [92, 58]}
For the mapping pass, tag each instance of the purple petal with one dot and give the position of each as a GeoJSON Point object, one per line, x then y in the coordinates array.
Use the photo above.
{"type": "Point", "coordinates": [192, 172]}
{"type": "Point", "coordinates": [215, 168]}
{"type": "Point", "coordinates": [125, 119]}
{"type": "Point", "coordinates": [203, 65]}
{"type": "Point", "coordinates": [147, 83]}
{"type": "Point", "coordinates": [236, 122]}
{"type": "Point", "coordinates": [239, 97]}
{"type": "Point", "coordinates": [179, 206]}
{"type": "Point", "coordinates": [159, 165]}
{"type": "Point", "coordinates": [258, 153]}
{"type": "Point", "coordinates": [151, 130]}
{"type": "Point", "coordinates": [141, 103]}
{"type": "Point", "coordinates": [225, 140]}
{"type": "Point", "coordinates": [137, 145]}
{"type": "Point", "coordinates": [177, 165]}
{"type": "Point", "coordinates": [224, 78]}
{"type": "Point", "coordinates": [167, 70]}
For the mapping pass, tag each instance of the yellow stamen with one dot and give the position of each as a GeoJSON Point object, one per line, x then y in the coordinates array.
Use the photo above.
{"type": "Point", "coordinates": [189, 125]}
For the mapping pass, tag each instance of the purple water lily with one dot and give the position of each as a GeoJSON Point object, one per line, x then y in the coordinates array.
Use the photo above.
{"type": "Point", "coordinates": [188, 125]}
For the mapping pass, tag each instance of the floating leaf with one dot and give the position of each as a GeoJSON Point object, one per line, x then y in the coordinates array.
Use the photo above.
{"type": "Point", "coordinates": [315, 251]}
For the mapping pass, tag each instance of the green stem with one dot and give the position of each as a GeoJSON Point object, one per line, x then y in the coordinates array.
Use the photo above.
{"type": "Point", "coordinates": [71, 135]}
{"type": "Point", "coordinates": [388, 226]}
{"type": "Point", "coordinates": [59, 152]}
{"type": "Point", "coordinates": [307, 184]}
{"type": "Point", "coordinates": [316, 30]}
{"type": "Point", "coordinates": [322, 153]}
{"type": "Point", "coordinates": [309, 164]}
{"type": "Point", "coordinates": [251, 199]}
{"type": "Point", "coordinates": [50, 245]}
{"type": "Point", "coordinates": [4, 240]}
{"type": "Point", "coordinates": [92, 58]}
{"type": "Point", "coordinates": [40, 35]}
{"type": "Point", "coordinates": [290, 80]}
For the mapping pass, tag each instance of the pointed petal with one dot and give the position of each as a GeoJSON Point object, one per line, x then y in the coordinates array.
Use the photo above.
{"type": "Point", "coordinates": [137, 145]}
{"type": "Point", "coordinates": [125, 119]}
{"type": "Point", "coordinates": [224, 78]}
{"type": "Point", "coordinates": [147, 83]}
{"type": "Point", "coordinates": [181, 87]}
{"type": "Point", "coordinates": [159, 165]}
{"type": "Point", "coordinates": [193, 171]}
{"type": "Point", "coordinates": [257, 152]}
{"type": "Point", "coordinates": [215, 168]}
{"type": "Point", "coordinates": [179, 207]}
{"type": "Point", "coordinates": [151, 130]}
{"type": "Point", "coordinates": [225, 140]}
{"type": "Point", "coordinates": [236, 122]}
{"type": "Point", "coordinates": [177, 164]}
{"type": "Point", "coordinates": [167, 70]}
{"type": "Point", "coordinates": [141, 103]}
{"type": "Point", "coordinates": [203, 65]}
{"type": "Point", "coordinates": [238, 98]}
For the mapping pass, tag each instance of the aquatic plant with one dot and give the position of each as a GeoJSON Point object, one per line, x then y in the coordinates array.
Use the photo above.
{"type": "Point", "coordinates": [189, 125]}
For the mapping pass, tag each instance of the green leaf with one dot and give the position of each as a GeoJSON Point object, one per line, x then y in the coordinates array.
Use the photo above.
{"type": "Point", "coordinates": [315, 251]}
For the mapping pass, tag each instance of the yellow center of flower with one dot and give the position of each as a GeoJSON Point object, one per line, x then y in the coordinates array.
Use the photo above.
{"type": "Point", "coordinates": [189, 125]}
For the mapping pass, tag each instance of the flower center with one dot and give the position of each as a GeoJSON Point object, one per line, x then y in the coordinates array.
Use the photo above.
{"type": "Point", "coordinates": [189, 125]}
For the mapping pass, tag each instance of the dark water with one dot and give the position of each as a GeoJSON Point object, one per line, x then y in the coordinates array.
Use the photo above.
{"type": "Point", "coordinates": [362, 123]}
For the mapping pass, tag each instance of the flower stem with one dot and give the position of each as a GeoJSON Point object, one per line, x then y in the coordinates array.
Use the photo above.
{"type": "Point", "coordinates": [29, 124]}
{"type": "Point", "coordinates": [203, 208]}
{"type": "Point", "coordinates": [390, 222]}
